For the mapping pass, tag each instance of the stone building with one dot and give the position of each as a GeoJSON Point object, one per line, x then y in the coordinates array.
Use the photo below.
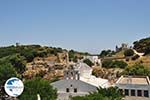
{"type": "Point", "coordinates": [134, 86]}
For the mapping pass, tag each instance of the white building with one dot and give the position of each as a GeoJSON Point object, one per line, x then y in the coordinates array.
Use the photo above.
{"type": "Point", "coordinates": [78, 81]}
{"type": "Point", "coordinates": [86, 76]}
{"type": "Point", "coordinates": [94, 59]}
{"type": "Point", "coordinates": [134, 86]}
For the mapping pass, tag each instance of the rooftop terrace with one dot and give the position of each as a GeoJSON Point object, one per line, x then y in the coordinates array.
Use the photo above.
{"type": "Point", "coordinates": [134, 80]}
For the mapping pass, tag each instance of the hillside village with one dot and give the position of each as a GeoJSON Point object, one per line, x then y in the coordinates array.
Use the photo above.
{"type": "Point", "coordinates": [76, 74]}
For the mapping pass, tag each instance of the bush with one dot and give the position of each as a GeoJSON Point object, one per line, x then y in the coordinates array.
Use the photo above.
{"type": "Point", "coordinates": [135, 57]}
{"type": "Point", "coordinates": [143, 45]}
{"type": "Point", "coordinates": [137, 69]}
{"type": "Point", "coordinates": [106, 53]}
{"type": "Point", "coordinates": [127, 59]}
{"type": "Point", "coordinates": [38, 86]}
{"type": "Point", "coordinates": [88, 62]}
{"type": "Point", "coordinates": [128, 52]}
{"type": "Point", "coordinates": [114, 64]}
{"type": "Point", "coordinates": [120, 64]}
{"type": "Point", "coordinates": [107, 63]}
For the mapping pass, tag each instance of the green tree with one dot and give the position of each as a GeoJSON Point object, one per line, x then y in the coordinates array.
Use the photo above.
{"type": "Point", "coordinates": [18, 63]}
{"type": "Point", "coordinates": [106, 53]}
{"type": "Point", "coordinates": [72, 56]}
{"type": "Point", "coordinates": [6, 71]}
{"type": "Point", "coordinates": [114, 64]}
{"type": "Point", "coordinates": [135, 57]}
{"type": "Point", "coordinates": [6, 51]}
{"type": "Point", "coordinates": [38, 86]}
{"type": "Point", "coordinates": [120, 64]}
{"type": "Point", "coordinates": [107, 63]}
{"type": "Point", "coordinates": [143, 45]}
{"type": "Point", "coordinates": [128, 52]}
{"type": "Point", "coordinates": [88, 62]}
{"type": "Point", "coordinates": [137, 69]}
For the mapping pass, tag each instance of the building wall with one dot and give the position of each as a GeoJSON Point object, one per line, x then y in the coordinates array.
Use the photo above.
{"type": "Point", "coordinates": [81, 87]}
{"type": "Point", "coordinates": [134, 87]}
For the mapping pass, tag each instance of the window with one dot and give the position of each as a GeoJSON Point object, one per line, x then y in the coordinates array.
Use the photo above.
{"type": "Point", "coordinates": [67, 89]}
{"type": "Point", "coordinates": [126, 92]}
{"type": "Point", "coordinates": [75, 90]}
{"type": "Point", "coordinates": [146, 94]}
{"type": "Point", "coordinates": [72, 73]}
{"type": "Point", "coordinates": [132, 92]}
{"type": "Point", "coordinates": [139, 92]}
{"type": "Point", "coordinates": [121, 91]}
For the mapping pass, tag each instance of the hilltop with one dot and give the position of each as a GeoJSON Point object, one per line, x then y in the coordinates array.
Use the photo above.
{"type": "Point", "coordinates": [38, 61]}
{"type": "Point", "coordinates": [30, 61]}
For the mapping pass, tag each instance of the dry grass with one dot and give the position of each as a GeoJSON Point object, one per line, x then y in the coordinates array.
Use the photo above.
{"type": "Point", "coordinates": [145, 60]}
{"type": "Point", "coordinates": [119, 54]}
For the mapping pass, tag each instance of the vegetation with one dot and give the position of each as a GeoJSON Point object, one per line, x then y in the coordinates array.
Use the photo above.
{"type": "Point", "coordinates": [13, 61]}
{"type": "Point", "coordinates": [88, 62]}
{"type": "Point", "coordinates": [128, 53]}
{"type": "Point", "coordinates": [135, 57]}
{"type": "Point", "coordinates": [111, 93]}
{"type": "Point", "coordinates": [6, 71]}
{"type": "Point", "coordinates": [29, 52]}
{"type": "Point", "coordinates": [74, 55]}
{"type": "Point", "coordinates": [107, 53]}
{"type": "Point", "coordinates": [38, 86]}
{"type": "Point", "coordinates": [114, 64]}
{"type": "Point", "coordinates": [143, 45]}
{"type": "Point", "coordinates": [137, 69]}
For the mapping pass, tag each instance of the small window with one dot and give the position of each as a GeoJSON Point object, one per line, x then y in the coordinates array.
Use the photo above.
{"type": "Point", "coordinates": [121, 91]}
{"type": "Point", "coordinates": [139, 92]}
{"type": "Point", "coordinates": [75, 90]}
{"type": "Point", "coordinates": [71, 85]}
{"type": "Point", "coordinates": [126, 92]}
{"type": "Point", "coordinates": [146, 94]}
{"type": "Point", "coordinates": [67, 89]}
{"type": "Point", "coordinates": [132, 92]}
{"type": "Point", "coordinates": [67, 73]}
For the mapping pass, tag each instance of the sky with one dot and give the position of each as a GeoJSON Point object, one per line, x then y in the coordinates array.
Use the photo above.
{"type": "Point", "coordinates": [82, 25]}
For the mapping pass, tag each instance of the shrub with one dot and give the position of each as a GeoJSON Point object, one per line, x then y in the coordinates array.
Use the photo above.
{"type": "Point", "coordinates": [114, 64]}
{"type": "Point", "coordinates": [137, 69]}
{"type": "Point", "coordinates": [135, 57]}
{"type": "Point", "coordinates": [120, 64]}
{"type": "Point", "coordinates": [88, 62]}
{"type": "Point", "coordinates": [107, 63]}
{"type": "Point", "coordinates": [127, 59]}
{"type": "Point", "coordinates": [128, 52]}
{"type": "Point", "coordinates": [38, 86]}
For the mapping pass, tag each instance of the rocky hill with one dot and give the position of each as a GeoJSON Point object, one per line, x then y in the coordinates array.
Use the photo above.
{"type": "Point", "coordinates": [38, 61]}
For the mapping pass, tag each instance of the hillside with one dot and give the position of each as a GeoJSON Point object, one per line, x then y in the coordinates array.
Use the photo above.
{"type": "Point", "coordinates": [38, 61]}
{"type": "Point", "coordinates": [30, 61]}
{"type": "Point", "coordinates": [143, 45]}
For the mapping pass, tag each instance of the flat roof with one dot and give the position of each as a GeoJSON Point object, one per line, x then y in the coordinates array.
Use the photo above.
{"type": "Point", "coordinates": [133, 80]}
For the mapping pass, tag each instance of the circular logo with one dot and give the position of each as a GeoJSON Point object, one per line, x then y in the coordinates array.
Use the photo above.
{"type": "Point", "coordinates": [14, 87]}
